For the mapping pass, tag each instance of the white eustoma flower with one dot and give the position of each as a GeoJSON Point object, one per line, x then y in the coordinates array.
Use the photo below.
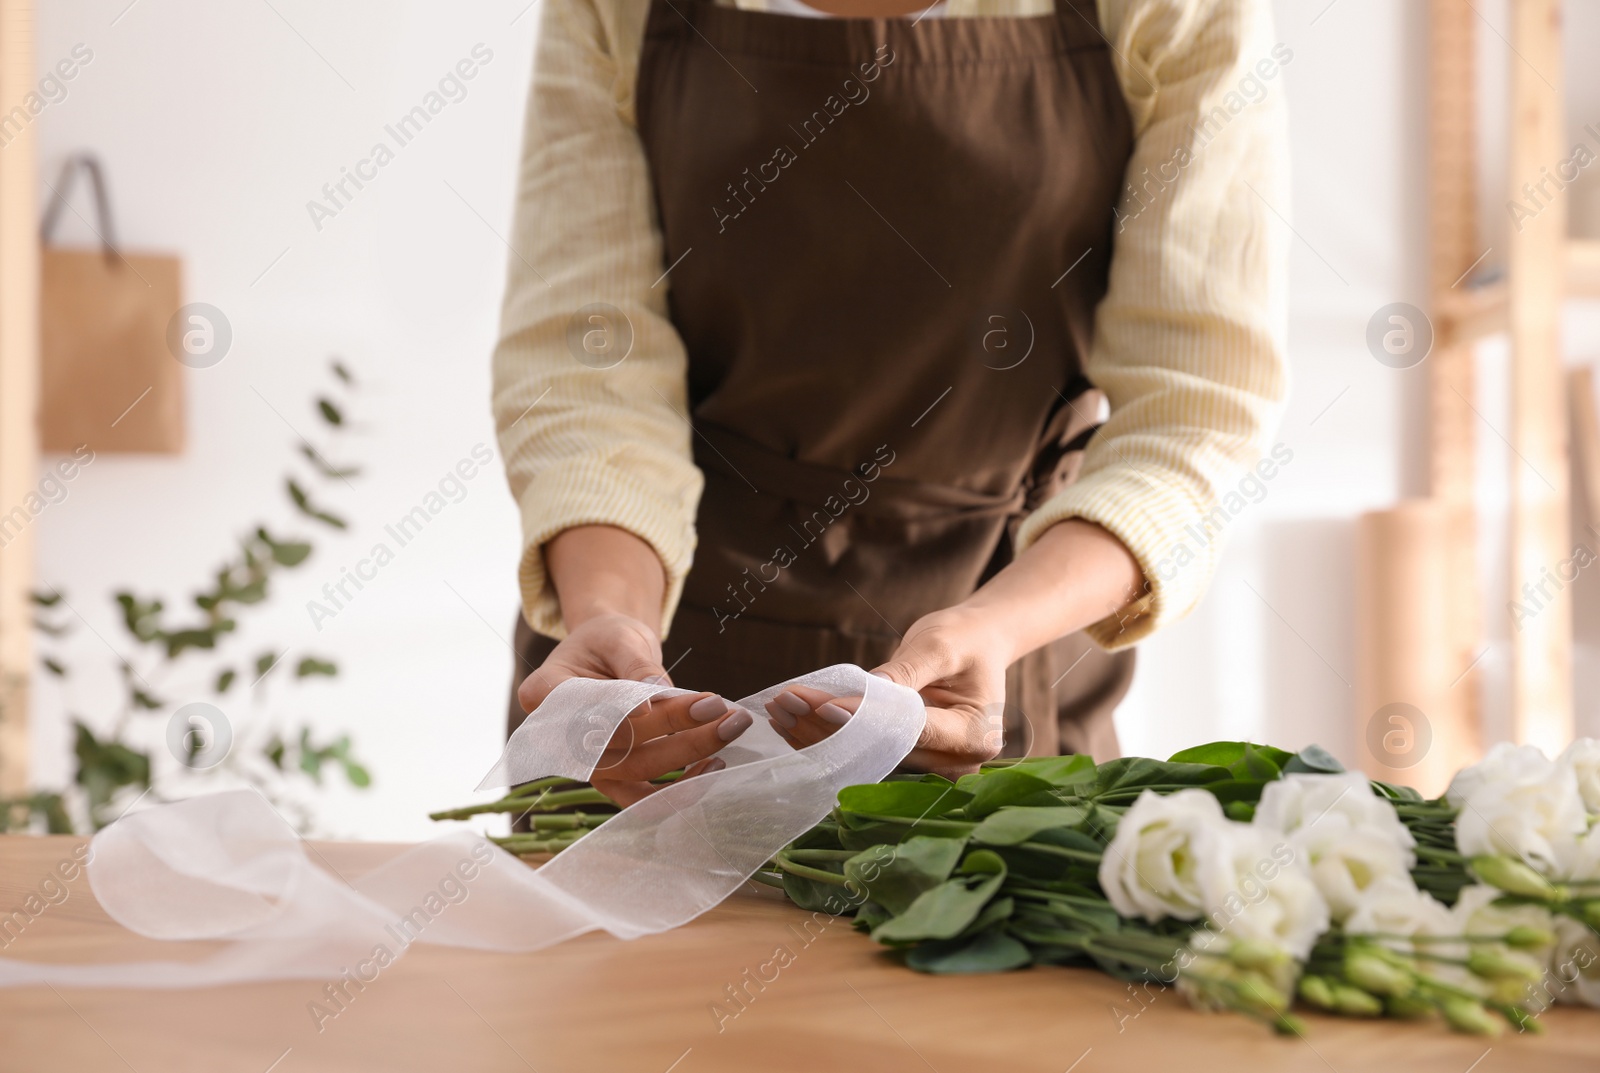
{"type": "Point", "coordinates": [1582, 758]}
{"type": "Point", "coordinates": [1575, 964]}
{"type": "Point", "coordinates": [1317, 803]}
{"type": "Point", "coordinates": [1518, 802]}
{"type": "Point", "coordinates": [1209, 971]}
{"type": "Point", "coordinates": [1581, 860]}
{"type": "Point", "coordinates": [1152, 867]}
{"type": "Point", "coordinates": [1394, 911]}
{"type": "Point", "coordinates": [1263, 891]}
{"type": "Point", "coordinates": [1349, 835]}
{"type": "Point", "coordinates": [1476, 914]}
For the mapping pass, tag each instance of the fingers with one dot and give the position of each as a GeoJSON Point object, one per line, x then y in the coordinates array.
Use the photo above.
{"type": "Point", "coordinates": [955, 741]}
{"type": "Point", "coordinates": [536, 687]}
{"type": "Point", "coordinates": [803, 716]}
{"type": "Point", "coordinates": [653, 758]}
{"type": "Point", "coordinates": [669, 715]}
{"type": "Point", "coordinates": [605, 647]}
{"type": "Point", "coordinates": [921, 659]}
{"type": "Point", "coordinates": [625, 793]}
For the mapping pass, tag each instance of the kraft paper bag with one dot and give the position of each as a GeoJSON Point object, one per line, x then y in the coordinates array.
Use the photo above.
{"type": "Point", "coordinates": [108, 375]}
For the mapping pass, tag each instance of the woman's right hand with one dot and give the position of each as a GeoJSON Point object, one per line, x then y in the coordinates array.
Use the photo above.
{"type": "Point", "coordinates": [660, 735]}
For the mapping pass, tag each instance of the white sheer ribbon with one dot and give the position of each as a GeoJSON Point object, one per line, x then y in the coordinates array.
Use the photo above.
{"type": "Point", "coordinates": [227, 867]}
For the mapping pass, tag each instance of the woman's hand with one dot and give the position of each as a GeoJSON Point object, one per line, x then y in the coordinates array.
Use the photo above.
{"type": "Point", "coordinates": [660, 735]}
{"type": "Point", "coordinates": [609, 583]}
{"type": "Point", "coordinates": [959, 669]}
{"type": "Point", "coordinates": [1074, 575]}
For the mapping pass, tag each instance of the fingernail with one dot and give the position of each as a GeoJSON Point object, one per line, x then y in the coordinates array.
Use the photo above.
{"type": "Point", "coordinates": [834, 714]}
{"type": "Point", "coordinates": [791, 703]}
{"type": "Point", "coordinates": [880, 674]}
{"type": "Point", "coordinates": [734, 725]}
{"type": "Point", "coordinates": [656, 680]}
{"type": "Point", "coordinates": [716, 763]}
{"type": "Point", "coordinates": [707, 708]}
{"type": "Point", "coordinates": [784, 719]}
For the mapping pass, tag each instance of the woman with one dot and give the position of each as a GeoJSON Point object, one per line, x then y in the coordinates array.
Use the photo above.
{"type": "Point", "coordinates": [809, 314]}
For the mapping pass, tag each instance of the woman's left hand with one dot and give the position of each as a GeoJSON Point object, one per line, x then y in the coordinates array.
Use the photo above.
{"type": "Point", "coordinates": [1075, 574]}
{"type": "Point", "coordinates": [949, 658]}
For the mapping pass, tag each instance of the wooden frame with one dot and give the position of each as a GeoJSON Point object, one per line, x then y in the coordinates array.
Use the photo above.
{"type": "Point", "coordinates": [19, 370]}
{"type": "Point", "coordinates": [1544, 268]}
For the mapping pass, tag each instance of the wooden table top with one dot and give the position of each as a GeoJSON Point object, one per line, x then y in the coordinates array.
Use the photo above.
{"type": "Point", "coordinates": [824, 998]}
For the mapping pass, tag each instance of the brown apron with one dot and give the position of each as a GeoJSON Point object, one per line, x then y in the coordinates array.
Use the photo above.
{"type": "Point", "coordinates": [887, 244]}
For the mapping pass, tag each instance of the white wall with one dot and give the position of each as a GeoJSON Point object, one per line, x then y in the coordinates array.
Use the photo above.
{"type": "Point", "coordinates": [218, 124]}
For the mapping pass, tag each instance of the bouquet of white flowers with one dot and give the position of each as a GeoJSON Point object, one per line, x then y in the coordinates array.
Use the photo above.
{"type": "Point", "coordinates": [1242, 874]}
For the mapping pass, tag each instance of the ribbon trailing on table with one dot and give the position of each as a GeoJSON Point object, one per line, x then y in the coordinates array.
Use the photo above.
{"type": "Point", "coordinates": [226, 867]}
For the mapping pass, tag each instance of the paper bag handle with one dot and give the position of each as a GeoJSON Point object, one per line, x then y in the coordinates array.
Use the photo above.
{"type": "Point", "coordinates": [102, 203]}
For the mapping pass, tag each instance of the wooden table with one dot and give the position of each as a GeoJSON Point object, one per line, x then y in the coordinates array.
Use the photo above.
{"type": "Point", "coordinates": [834, 1002]}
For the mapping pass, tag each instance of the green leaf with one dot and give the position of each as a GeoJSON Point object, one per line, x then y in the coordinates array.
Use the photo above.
{"type": "Point", "coordinates": [142, 699]}
{"type": "Point", "coordinates": [1059, 771]}
{"type": "Point", "coordinates": [895, 876]}
{"type": "Point", "coordinates": [141, 619]}
{"type": "Point", "coordinates": [987, 951]}
{"type": "Point", "coordinates": [359, 776]}
{"type": "Point", "coordinates": [1240, 811]}
{"type": "Point", "coordinates": [1261, 763]}
{"type": "Point", "coordinates": [304, 504]}
{"type": "Point", "coordinates": [341, 371]}
{"type": "Point", "coordinates": [285, 552]}
{"type": "Point", "coordinates": [104, 767]}
{"type": "Point", "coordinates": [225, 679]}
{"type": "Point", "coordinates": [1008, 826]}
{"type": "Point", "coordinates": [45, 599]}
{"type": "Point", "coordinates": [326, 468]}
{"type": "Point", "coordinates": [274, 751]}
{"type": "Point", "coordinates": [1245, 759]}
{"type": "Point", "coordinates": [915, 799]}
{"type": "Point", "coordinates": [264, 663]}
{"type": "Point", "coordinates": [179, 641]}
{"type": "Point", "coordinates": [252, 592]}
{"type": "Point", "coordinates": [1004, 786]}
{"type": "Point", "coordinates": [330, 413]}
{"type": "Point", "coordinates": [310, 665]}
{"type": "Point", "coordinates": [57, 822]}
{"type": "Point", "coordinates": [1313, 759]}
{"type": "Point", "coordinates": [54, 667]}
{"type": "Point", "coordinates": [1133, 772]}
{"type": "Point", "coordinates": [813, 895]}
{"type": "Point", "coordinates": [943, 912]}
{"type": "Point", "coordinates": [982, 862]}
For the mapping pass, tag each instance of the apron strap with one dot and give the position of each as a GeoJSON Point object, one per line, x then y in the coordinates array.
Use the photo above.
{"type": "Point", "coordinates": [770, 473]}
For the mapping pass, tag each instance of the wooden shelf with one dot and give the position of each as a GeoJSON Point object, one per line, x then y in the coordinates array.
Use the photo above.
{"type": "Point", "coordinates": [1465, 315]}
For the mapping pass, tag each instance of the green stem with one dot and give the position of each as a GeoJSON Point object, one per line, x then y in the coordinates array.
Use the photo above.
{"type": "Point", "coordinates": [818, 874]}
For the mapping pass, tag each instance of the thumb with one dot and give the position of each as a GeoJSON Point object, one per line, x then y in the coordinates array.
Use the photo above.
{"type": "Point", "coordinates": [637, 657]}
{"type": "Point", "coordinates": [916, 665]}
